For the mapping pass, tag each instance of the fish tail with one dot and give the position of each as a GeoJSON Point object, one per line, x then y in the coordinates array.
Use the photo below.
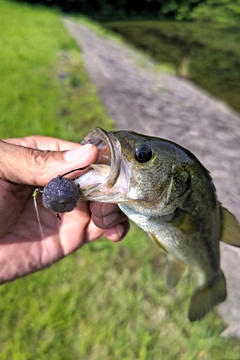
{"type": "Point", "coordinates": [206, 297]}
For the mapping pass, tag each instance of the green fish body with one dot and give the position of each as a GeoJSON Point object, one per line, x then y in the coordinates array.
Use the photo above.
{"type": "Point", "coordinates": [167, 192]}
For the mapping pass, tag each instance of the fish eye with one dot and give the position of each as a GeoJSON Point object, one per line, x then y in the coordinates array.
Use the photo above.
{"type": "Point", "coordinates": [143, 153]}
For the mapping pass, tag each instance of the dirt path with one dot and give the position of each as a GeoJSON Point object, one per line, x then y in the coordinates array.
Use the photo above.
{"type": "Point", "coordinates": [139, 98]}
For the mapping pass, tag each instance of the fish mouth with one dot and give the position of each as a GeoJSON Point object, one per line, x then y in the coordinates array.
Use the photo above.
{"type": "Point", "coordinates": [103, 175]}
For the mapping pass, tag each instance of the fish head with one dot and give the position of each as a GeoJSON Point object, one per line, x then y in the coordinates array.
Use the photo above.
{"type": "Point", "coordinates": [131, 168]}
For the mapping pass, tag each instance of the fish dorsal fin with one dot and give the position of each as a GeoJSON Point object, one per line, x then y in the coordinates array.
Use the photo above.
{"type": "Point", "coordinates": [230, 229]}
{"type": "Point", "coordinates": [174, 271]}
{"type": "Point", "coordinates": [185, 222]}
{"type": "Point", "coordinates": [158, 242]}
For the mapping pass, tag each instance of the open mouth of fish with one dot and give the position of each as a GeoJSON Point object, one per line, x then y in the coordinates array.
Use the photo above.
{"type": "Point", "coordinates": [103, 178]}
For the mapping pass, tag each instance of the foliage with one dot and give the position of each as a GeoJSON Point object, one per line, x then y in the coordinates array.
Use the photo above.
{"type": "Point", "coordinates": [113, 10]}
{"type": "Point", "coordinates": [213, 61]}
{"type": "Point", "coordinates": [108, 10]}
{"type": "Point", "coordinates": [222, 11]}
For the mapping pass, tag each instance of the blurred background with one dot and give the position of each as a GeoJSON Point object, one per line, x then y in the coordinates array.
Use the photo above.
{"type": "Point", "coordinates": [107, 301]}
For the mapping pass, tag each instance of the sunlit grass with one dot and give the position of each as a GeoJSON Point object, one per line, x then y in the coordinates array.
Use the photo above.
{"type": "Point", "coordinates": [107, 301]}
{"type": "Point", "coordinates": [44, 88]}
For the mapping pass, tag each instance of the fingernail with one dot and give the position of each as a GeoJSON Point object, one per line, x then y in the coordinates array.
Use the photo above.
{"type": "Point", "coordinates": [76, 154]}
{"type": "Point", "coordinates": [120, 230]}
{"type": "Point", "coordinates": [107, 209]}
{"type": "Point", "coordinates": [110, 219]}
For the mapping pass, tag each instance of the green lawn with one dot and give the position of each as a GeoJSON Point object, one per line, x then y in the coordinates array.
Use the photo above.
{"type": "Point", "coordinates": [106, 301]}
{"type": "Point", "coordinates": [44, 88]}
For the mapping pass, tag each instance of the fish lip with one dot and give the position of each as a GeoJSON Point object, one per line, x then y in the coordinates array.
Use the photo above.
{"type": "Point", "coordinates": [98, 137]}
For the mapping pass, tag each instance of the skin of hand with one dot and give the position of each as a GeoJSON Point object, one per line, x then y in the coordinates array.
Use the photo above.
{"type": "Point", "coordinates": [30, 163]}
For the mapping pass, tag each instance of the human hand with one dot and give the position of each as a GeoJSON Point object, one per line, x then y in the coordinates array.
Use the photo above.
{"type": "Point", "coordinates": [27, 163]}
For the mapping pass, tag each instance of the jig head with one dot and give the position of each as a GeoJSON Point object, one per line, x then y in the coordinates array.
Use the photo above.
{"type": "Point", "coordinates": [61, 194]}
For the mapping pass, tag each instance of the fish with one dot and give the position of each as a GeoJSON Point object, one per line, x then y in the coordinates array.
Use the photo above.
{"type": "Point", "coordinates": [166, 191]}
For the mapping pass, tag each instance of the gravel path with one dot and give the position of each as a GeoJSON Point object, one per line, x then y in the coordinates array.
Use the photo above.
{"type": "Point", "coordinates": [142, 99]}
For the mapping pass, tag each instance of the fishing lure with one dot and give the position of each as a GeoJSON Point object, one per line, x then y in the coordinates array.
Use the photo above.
{"type": "Point", "coordinates": [60, 194]}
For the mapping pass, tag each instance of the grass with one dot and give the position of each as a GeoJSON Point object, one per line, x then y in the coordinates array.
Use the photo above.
{"type": "Point", "coordinates": [44, 87]}
{"type": "Point", "coordinates": [106, 301]}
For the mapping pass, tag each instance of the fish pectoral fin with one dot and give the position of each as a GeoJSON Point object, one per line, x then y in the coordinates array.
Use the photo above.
{"type": "Point", "coordinates": [174, 271]}
{"type": "Point", "coordinates": [231, 228]}
{"type": "Point", "coordinates": [169, 207]}
{"type": "Point", "coordinates": [185, 222]}
{"type": "Point", "coordinates": [158, 242]}
{"type": "Point", "coordinates": [206, 297]}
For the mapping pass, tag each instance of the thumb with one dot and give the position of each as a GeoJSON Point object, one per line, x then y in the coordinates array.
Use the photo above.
{"type": "Point", "coordinates": [24, 165]}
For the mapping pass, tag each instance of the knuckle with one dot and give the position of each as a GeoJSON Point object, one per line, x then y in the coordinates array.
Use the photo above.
{"type": "Point", "coordinates": [39, 159]}
{"type": "Point", "coordinates": [37, 163]}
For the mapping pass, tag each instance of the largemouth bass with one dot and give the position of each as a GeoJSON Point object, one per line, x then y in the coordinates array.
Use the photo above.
{"type": "Point", "coordinates": [167, 192]}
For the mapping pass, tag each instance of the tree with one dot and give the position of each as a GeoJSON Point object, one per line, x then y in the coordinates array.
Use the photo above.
{"type": "Point", "coordinates": [218, 11]}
